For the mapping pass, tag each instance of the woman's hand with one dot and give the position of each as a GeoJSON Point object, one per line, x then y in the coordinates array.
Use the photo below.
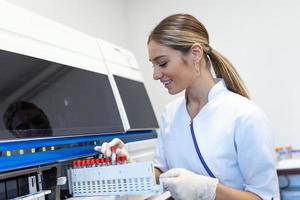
{"type": "Point", "coordinates": [184, 184]}
{"type": "Point", "coordinates": [105, 148]}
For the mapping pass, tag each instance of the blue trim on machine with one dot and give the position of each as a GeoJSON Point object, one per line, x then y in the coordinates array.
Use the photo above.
{"type": "Point", "coordinates": [199, 153]}
{"type": "Point", "coordinates": [14, 162]}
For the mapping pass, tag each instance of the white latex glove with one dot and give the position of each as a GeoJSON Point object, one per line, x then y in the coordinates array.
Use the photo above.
{"type": "Point", "coordinates": [186, 185]}
{"type": "Point", "coordinates": [105, 148]}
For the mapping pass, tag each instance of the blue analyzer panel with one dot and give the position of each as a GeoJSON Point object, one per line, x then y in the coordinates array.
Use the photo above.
{"type": "Point", "coordinates": [22, 154]}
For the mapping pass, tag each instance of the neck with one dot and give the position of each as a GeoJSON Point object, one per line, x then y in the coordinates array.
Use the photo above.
{"type": "Point", "coordinates": [197, 93]}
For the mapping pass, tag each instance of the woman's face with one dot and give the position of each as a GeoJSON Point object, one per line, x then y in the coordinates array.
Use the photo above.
{"type": "Point", "coordinates": [174, 70]}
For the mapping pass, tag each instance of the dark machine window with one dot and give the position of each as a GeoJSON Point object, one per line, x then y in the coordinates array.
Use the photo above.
{"type": "Point", "coordinates": [137, 104]}
{"type": "Point", "coordinates": [40, 98]}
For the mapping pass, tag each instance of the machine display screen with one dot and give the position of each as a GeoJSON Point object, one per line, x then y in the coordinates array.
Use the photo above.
{"type": "Point", "coordinates": [137, 104]}
{"type": "Point", "coordinates": [40, 98]}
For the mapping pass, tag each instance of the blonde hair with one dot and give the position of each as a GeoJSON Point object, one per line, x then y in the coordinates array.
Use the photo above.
{"type": "Point", "coordinates": [181, 31]}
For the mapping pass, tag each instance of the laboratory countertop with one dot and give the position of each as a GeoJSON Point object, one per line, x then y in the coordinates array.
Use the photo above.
{"type": "Point", "coordinates": [289, 164]}
{"type": "Point", "coordinates": [288, 167]}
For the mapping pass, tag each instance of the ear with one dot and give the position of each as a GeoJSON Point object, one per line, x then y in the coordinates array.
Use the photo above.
{"type": "Point", "coordinates": [196, 52]}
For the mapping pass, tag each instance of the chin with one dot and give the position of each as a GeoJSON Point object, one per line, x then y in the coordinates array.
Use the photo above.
{"type": "Point", "coordinates": [174, 92]}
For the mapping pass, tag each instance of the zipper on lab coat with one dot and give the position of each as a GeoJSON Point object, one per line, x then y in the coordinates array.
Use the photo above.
{"type": "Point", "coordinates": [198, 151]}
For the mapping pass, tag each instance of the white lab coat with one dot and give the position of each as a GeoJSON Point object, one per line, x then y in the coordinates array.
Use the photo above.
{"type": "Point", "coordinates": [233, 136]}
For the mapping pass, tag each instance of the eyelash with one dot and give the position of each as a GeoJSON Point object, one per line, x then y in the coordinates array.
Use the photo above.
{"type": "Point", "coordinates": [163, 65]}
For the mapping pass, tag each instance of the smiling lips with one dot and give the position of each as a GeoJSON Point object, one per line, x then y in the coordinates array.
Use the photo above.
{"type": "Point", "coordinates": [166, 83]}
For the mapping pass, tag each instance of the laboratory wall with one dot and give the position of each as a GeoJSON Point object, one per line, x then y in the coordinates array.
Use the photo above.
{"type": "Point", "coordinates": [261, 39]}
{"type": "Point", "coordinates": [106, 19]}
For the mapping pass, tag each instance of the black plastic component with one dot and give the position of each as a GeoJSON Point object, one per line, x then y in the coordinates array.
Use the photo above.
{"type": "Point", "coordinates": [2, 191]}
{"type": "Point", "coordinates": [17, 183]}
{"type": "Point", "coordinates": [42, 99]}
{"type": "Point", "coordinates": [137, 104]}
{"type": "Point", "coordinates": [11, 188]}
{"type": "Point", "coordinates": [49, 182]}
{"type": "Point", "coordinates": [23, 185]}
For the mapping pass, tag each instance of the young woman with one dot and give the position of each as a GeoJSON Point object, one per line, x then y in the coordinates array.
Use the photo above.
{"type": "Point", "coordinates": [214, 143]}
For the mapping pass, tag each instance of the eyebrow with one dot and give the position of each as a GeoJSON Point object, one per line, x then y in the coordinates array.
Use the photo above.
{"type": "Point", "coordinates": [156, 58]}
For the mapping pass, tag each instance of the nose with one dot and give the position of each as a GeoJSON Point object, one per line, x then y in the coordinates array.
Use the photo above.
{"type": "Point", "coordinates": [157, 74]}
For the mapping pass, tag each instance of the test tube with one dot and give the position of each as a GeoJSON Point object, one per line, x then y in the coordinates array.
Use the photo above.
{"type": "Point", "coordinates": [280, 153]}
{"type": "Point", "coordinates": [88, 163]}
{"type": "Point", "coordinates": [106, 161]}
{"type": "Point", "coordinates": [83, 163]}
{"type": "Point", "coordinates": [93, 162]}
{"type": "Point", "coordinates": [74, 164]}
{"type": "Point", "coordinates": [97, 162]}
{"type": "Point", "coordinates": [113, 155]}
{"type": "Point", "coordinates": [78, 164]}
{"type": "Point", "coordinates": [101, 161]}
{"type": "Point", "coordinates": [288, 150]}
{"type": "Point", "coordinates": [121, 159]}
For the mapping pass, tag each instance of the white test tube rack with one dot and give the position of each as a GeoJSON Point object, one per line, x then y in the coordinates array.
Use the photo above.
{"type": "Point", "coordinates": [124, 179]}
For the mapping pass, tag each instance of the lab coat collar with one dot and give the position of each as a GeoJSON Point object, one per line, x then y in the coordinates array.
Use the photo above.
{"type": "Point", "coordinates": [218, 88]}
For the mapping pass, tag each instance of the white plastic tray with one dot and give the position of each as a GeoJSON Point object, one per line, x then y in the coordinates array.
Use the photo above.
{"type": "Point", "coordinates": [125, 179]}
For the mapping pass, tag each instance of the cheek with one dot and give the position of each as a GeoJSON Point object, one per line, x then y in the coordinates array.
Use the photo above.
{"type": "Point", "coordinates": [185, 73]}
{"type": "Point", "coordinates": [186, 78]}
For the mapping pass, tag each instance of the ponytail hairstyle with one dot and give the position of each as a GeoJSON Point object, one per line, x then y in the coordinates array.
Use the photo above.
{"type": "Point", "coordinates": [181, 31]}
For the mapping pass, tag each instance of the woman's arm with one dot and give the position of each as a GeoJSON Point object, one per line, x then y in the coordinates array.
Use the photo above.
{"type": "Point", "coordinates": [184, 184]}
{"type": "Point", "coordinates": [224, 193]}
